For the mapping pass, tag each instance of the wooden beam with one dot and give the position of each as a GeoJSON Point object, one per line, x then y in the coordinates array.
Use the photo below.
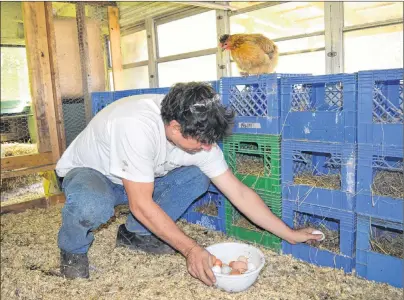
{"type": "Point", "coordinates": [57, 96]}
{"type": "Point", "coordinates": [38, 58]}
{"type": "Point", "coordinates": [38, 67]}
{"type": "Point", "coordinates": [27, 171]}
{"type": "Point", "coordinates": [26, 161]}
{"type": "Point", "coordinates": [44, 202]}
{"type": "Point", "coordinates": [210, 4]}
{"type": "Point", "coordinates": [84, 58]}
{"type": "Point", "coordinates": [115, 41]}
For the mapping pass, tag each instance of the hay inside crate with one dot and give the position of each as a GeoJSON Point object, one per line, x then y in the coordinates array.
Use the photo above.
{"type": "Point", "coordinates": [388, 242]}
{"type": "Point", "coordinates": [241, 221]}
{"type": "Point", "coordinates": [208, 209]}
{"type": "Point", "coordinates": [21, 188]}
{"type": "Point", "coordinates": [332, 237]}
{"type": "Point", "coordinates": [388, 183]}
{"type": "Point", "coordinates": [326, 181]}
{"type": "Point", "coordinates": [250, 164]}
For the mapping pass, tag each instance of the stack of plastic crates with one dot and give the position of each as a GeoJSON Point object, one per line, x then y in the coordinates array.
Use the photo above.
{"type": "Point", "coordinates": [318, 117]}
{"type": "Point", "coordinates": [380, 184]}
{"type": "Point", "coordinates": [253, 151]}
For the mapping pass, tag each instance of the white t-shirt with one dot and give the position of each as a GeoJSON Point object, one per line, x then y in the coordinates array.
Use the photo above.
{"type": "Point", "coordinates": [127, 140]}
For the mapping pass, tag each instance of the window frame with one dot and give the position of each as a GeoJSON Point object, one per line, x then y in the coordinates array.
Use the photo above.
{"type": "Point", "coordinates": [333, 32]}
{"type": "Point", "coordinates": [184, 55]}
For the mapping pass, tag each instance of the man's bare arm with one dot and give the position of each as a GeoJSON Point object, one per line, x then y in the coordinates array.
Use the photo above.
{"type": "Point", "coordinates": [151, 216]}
{"type": "Point", "coordinates": [250, 204]}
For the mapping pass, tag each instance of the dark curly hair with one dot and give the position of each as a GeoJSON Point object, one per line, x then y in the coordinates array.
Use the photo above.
{"type": "Point", "coordinates": [197, 108]}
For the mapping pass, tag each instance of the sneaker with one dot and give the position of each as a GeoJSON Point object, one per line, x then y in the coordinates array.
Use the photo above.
{"type": "Point", "coordinates": [146, 243]}
{"type": "Point", "coordinates": [74, 265]}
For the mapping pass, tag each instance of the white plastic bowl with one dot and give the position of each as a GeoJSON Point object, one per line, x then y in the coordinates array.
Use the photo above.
{"type": "Point", "coordinates": [227, 252]}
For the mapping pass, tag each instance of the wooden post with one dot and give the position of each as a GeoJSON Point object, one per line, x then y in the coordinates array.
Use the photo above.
{"type": "Point", "coordinates": [38, 58]}
{"type": "Point", "coordinates": [57, 97]}
{"type": "Point", "coordinates": [84, 58]}
{"type": "Point", "coordinates": [115, 41]}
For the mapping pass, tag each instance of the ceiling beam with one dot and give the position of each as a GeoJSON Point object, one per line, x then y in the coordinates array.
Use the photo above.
{"type": "Point", "coordinates": [211, 5]}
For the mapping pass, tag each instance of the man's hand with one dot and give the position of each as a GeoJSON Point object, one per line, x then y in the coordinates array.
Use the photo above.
{"type": "Point", "coordinates": [199, 264]}
{"type": "Point", "coordinates": [304, 235]}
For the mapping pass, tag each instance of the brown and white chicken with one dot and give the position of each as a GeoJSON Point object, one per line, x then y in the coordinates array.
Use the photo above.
{"type": "Point", "coordinates": [253, 53]}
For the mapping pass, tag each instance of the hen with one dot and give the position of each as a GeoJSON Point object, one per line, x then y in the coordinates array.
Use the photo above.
{"type": "Point", "coordinates": [253, 53]}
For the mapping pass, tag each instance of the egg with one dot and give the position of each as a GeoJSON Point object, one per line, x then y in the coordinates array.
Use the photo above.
{"type": "Point", "coordinates": [319, 232]}
{"type": "Point", "coordinates": [217, 270]}
{"type": "Point", "coordinates": [239, 265]}
{"type": "Point", "coordinates": [226, 269]}
{"type": "Point", "coordinates": [218, 262]}
{"type": "Point", "coordinates": [243, 259]}
{"type": "Point", "coordinates": [235, 272]}
{"type": "Point", "coordinates": [251, 267]}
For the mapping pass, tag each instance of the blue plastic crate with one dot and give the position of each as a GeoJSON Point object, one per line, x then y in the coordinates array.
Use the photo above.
{"type": "Point", "coordinates": [303, 159]}
{"type": "Point", "coordinates": [319, 108]}
{"type": "Point", "coordinates": [218, 222]}
{"type": "Point", "coordinates": [256, 101]}
{"type": "Point", "coordinates": [380, 107]}
{"type": "Point", "coordinates": [345, 259]}
{"type": "Point", "coordinates": [372, 160]}
{"type": "Point", "coordinates": [373, 265]}
{"type": "Point", "coordinates": [102, 99]}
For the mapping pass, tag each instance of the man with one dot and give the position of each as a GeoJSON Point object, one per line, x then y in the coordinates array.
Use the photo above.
{"type": "Point", "coordinates": [158, 154]}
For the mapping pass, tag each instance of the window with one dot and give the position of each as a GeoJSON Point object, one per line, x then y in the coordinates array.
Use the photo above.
{"type": "Point", "coordinates": [376, 47]}
{"type": "Point", "coordinates": [134, 50]}
{"type": "Point", "coordinates": [313, 42]}
{"type": "Point", "coordinates": [286, 21]}
{"type": "Point", "coordinates": [309, 62]}
{"type": "Point", "coordinates": [356, 13]}
{"type": "Point", "coordinates": [134, 47]}
{"type": "Point", "coordinates": [135, 78]}
{"type": "Point", "coordinates": [187, 35]}
{"type": "Point", "coordinates": [14, 75]}
{"type": "Point", "coordinates": [201, 68]}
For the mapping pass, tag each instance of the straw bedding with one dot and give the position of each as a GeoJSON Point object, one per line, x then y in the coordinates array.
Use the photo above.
{"type": "Point", "coordinates": [30, 257]}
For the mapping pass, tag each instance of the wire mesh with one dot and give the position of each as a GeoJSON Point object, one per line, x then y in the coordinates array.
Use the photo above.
{"type": "Point", "coordinates": [75, 60]}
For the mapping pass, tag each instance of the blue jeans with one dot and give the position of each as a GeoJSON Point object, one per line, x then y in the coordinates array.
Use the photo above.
{"type": "Point", "coordinates": [91, 198]}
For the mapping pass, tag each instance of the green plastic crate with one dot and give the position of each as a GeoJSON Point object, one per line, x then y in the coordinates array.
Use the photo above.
{"type": "Point", "coordinates": [258, 235]}
{"type": "Point", "coordinates": [265, 146]}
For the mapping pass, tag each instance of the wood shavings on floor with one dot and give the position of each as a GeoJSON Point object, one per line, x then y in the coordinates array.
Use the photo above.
{"type": "Point", "coordinates": [30, 265]}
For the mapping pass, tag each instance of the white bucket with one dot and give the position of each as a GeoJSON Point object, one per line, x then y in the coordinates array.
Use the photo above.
{"type": "Point", "coordinates": [227, 252]}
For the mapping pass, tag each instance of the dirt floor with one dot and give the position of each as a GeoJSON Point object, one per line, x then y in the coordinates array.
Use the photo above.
{"type": "Point", "coordinates": [30, 257]}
